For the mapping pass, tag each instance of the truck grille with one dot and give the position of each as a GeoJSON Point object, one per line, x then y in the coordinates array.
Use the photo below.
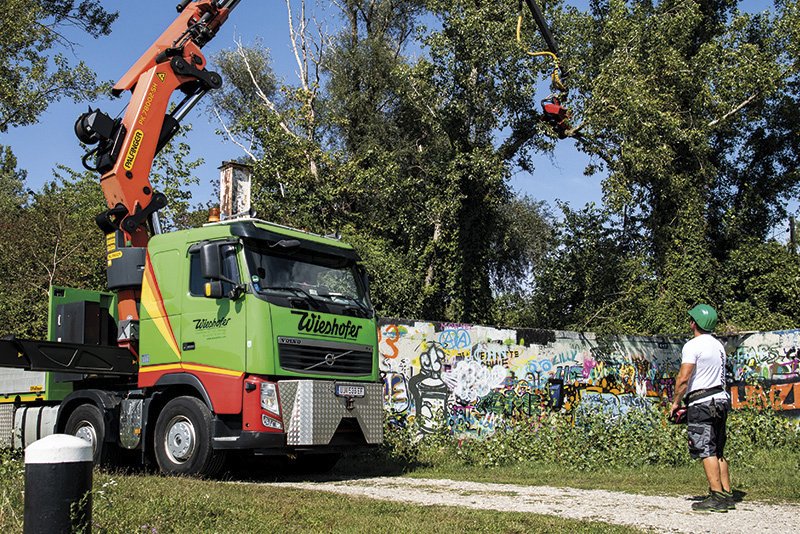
{"type": "Point", "coordinates": [315, 357]}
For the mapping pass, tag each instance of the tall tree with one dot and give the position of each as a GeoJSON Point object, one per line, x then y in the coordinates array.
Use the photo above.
{"type": "Point", "coordinates": [426, 133]}
{"type": "Point", "coordinates": [407, 164]}
{"type": "Point", "coordinates": [31, 74]}
{"type": "Point", "coordinates": [61, 246]}
{"type": "Point", "coordinates": [674, 99]}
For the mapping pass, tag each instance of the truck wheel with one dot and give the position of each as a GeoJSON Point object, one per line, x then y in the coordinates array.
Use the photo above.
{"type": "Point", "coordinates": [183, 439]}
{"type": "Point", "coordinates": [86, 422]}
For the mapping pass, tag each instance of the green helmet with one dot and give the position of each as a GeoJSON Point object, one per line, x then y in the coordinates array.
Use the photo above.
{"type": "Point", "coordinates": [705, 316]}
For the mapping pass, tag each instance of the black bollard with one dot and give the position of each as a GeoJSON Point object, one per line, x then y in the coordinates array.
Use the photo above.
{"type": "Point", "coordinates": [58, 485]}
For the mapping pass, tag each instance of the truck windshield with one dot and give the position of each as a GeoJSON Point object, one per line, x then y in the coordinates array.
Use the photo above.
{"type": "Point", "coordinates": [321, 278]}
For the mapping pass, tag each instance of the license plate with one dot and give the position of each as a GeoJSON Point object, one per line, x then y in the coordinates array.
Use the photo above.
{"type": "Point", "coordinates": [350, 391]}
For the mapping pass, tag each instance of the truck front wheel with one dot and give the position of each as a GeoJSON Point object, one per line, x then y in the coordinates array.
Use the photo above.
{"type": "Point", "coordinates": [183, 439]}
{"type": "Point", "coordinates": [86, 422]}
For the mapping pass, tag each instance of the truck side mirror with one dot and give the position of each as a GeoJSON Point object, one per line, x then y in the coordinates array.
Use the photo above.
{"type": "Point", "coordinates": [210, 264]}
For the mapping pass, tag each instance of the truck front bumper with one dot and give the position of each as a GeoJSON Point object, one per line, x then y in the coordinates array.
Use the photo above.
{"type": "Point", "coordinates": [251, 440]}
{"type": "Point", "coordinates": [313, 417]}
{"type": "Point", "coordinates": [312, 412]}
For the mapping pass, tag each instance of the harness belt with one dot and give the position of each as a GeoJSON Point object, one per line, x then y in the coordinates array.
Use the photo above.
{"type": "Point", "coordinates": [703, 393]}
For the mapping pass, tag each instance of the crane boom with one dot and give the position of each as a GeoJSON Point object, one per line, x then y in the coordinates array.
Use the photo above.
{"type": "Point", "coordinates": [544, 29]}
{"type": "Point", "coordinates": [126, 148]}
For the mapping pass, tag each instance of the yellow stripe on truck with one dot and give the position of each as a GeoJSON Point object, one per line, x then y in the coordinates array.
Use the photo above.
{"type": "Point", "coordinates": [154, 307]}
{"type": "Point", "coordinates": [189, 367]}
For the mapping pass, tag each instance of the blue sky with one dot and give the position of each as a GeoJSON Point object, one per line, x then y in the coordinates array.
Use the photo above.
{"type": "Point", "coordinates": [40, 147]}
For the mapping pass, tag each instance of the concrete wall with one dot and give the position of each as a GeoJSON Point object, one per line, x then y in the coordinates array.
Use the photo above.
{"type": "Point", "coordinates": [473, 377]}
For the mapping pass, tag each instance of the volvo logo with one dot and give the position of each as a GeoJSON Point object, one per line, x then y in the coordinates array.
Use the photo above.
{"type": "Point", "coordinates": [329, 359]}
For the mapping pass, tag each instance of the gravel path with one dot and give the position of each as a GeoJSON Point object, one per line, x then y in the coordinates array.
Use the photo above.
{"type": "Point", "coordinates": [659, 513]}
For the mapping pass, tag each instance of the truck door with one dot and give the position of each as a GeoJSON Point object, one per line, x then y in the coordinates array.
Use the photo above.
{"type": "Point", "coordinates": [213, 333]}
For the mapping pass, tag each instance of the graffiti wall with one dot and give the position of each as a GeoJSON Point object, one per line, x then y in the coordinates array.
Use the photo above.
{"type": "Point", "coordinates": [764, 371]}
{"type": "Point", "coordinates": [473, 378]}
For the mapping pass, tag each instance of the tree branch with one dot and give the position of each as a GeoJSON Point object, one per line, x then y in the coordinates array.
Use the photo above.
{"type": "Point", "coordinates": [232, 138]}
{"type": "Point", "coordinates": [260, 92]}
{"type": "Point", "coordinates": [302, 74]}
{"type": "Point", "coordinates": [733, 111]}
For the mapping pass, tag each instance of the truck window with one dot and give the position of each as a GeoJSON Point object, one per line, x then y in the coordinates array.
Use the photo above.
{"type": "Point", "coordinates": [332, 280]}
{"type": "Point", "coordinates": [230, 268]}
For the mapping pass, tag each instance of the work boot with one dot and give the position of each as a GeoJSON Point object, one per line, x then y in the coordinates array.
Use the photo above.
{"type": "Point", "coordinates": [727, 497]}
{"type": "Point", "coordinates": [713, 503]}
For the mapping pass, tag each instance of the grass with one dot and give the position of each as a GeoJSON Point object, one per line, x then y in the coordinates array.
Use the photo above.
{"type": "Point", "coordinates": [151, 504]}
{"type": "Point", "coordinates": [162, 504]}
{"type": "Point", "coordinates": [641, 455]}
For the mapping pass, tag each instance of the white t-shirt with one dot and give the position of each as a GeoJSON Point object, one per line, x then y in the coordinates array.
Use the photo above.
{"type": "Point", "coordinates": [708, 355]}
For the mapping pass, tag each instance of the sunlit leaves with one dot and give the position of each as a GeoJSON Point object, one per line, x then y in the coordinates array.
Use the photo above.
{"type": "Point", "coordinates": [31, 74]}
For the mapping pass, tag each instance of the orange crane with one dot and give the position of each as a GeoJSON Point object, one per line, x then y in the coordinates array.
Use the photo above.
{"type": "Point", "coordinates": [126, 147]}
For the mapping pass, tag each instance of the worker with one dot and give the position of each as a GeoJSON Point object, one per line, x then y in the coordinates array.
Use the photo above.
{"type": "Point", "coordinates": [701, 379]}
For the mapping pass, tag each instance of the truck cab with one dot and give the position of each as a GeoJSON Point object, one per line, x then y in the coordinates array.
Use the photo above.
{"type": "Point", "coordinates": [251, 336]}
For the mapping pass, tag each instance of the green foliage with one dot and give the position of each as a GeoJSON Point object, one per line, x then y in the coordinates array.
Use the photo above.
{"type": "Point", "coordinates": [49, 239]}
{"type": "Point", "coordinates": [752, 430]}
{"type": "Point", "coordinates": [592, 440]}
{"type": "Point", "coordinates": [759, 283]}
{"type": "Point", "coordinates": [404, 444]}
{"type": "Point", "coordinates": [12, 476]}
{"type": "Point", "coordinates": [30, 75]}
{"type": "Point", "coordinates": [173, 174]}
{"type": "Point", "coordinates": [11, 182]}
{"type": "Point", "coordinates": [688, 106]}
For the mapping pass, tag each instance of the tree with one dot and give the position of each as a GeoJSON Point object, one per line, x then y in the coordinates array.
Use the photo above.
{"type": "Point", "coordinates": [761, 281]}
{"type": "Point", "coordinates": [424, 133]}
{"type": "Point", "coordinates": [30, 75]}
{"type": "Point", "coordinates": [277, 129]}
{"type": "Point", "coordinates": [173, 174]}
{"type": "Point", "coordinates": [404, 157]}
{"type": "Point", "coordinates": [61, 246]}
{"type": "Point", "coordinates": [591, 278]}
{"type": "Point", "coordinates": [676, 100]}
{"type": "Point", "coordinates": [11, 182]}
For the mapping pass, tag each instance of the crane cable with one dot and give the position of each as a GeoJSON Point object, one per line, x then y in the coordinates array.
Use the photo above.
{"type": "Point", "coordinates": [554, 112]}
{"type": "Point", "coordinates": [555, 77]}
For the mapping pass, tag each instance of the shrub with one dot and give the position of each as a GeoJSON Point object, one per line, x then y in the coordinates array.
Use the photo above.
{"type": "Point", "coordinates": [590, 440]}
{"type": "Point", "coordinates": [12, 484]}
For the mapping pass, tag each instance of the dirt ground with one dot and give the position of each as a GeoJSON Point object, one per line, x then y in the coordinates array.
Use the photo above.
{"type": "Point", "coordinates": [656, 513]}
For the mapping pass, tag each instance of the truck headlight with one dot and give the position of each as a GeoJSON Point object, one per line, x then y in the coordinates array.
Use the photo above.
{"type": "Point", "coordinates": [269, 397]}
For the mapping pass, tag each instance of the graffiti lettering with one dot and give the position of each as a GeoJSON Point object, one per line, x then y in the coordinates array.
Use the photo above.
{"type": "Point", "coordinates": [454, 339]}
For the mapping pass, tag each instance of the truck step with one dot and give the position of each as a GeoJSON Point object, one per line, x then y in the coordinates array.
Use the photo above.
{"type": "Point", "coordinates": [67, 357]}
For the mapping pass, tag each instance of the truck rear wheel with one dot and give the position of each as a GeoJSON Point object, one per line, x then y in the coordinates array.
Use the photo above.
{"type": "Point", "coordinates": [86, 422]}
{"type": "Point", "coordinates": [183, 439]}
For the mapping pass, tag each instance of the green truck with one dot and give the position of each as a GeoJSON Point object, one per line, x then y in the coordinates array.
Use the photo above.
{"type": "Point", "coordinates": [251, 337]}
{"type": "Point", "coordinates": [240, 335]}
